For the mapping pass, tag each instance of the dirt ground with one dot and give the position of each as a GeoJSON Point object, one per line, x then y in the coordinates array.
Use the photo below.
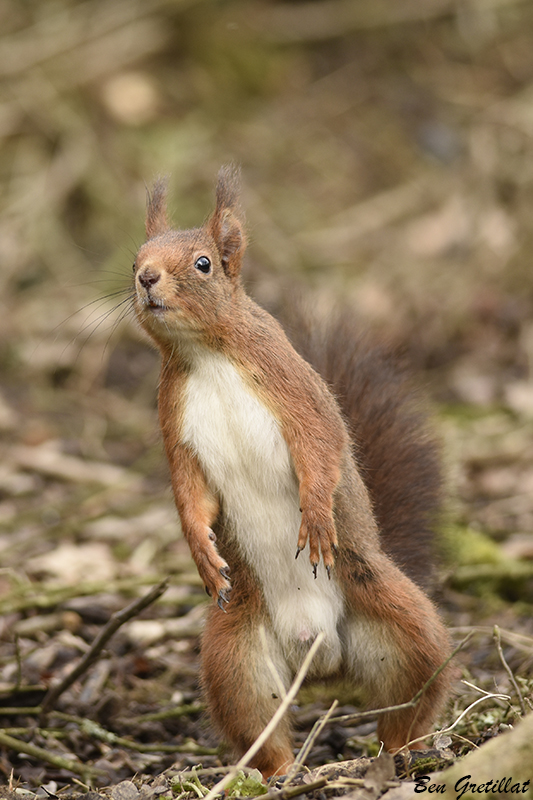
{"type": "Point", "coordinates": [387, 161]}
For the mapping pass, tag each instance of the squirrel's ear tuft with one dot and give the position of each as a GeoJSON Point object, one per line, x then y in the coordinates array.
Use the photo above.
{"type": "Point", "coordinates": [225, 226]}
{"type": "Point", "coordinates": [156, 209]}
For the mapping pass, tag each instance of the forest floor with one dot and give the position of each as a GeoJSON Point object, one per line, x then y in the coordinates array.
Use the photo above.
{"type": "Point", "coordinates": [388, 164]}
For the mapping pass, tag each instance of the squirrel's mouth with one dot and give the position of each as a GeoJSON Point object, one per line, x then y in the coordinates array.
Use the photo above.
{"type": "Point", "coordinates": [154, 304]}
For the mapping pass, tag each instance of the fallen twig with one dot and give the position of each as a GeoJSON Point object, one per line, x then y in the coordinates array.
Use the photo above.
{"type": "Point", "coordinates": [287, 792]}
{"type": "Point", "coordinates": [97, 731]}
{"type": "Point", "coordinates": [115, 622]}
{"type": "Point", "coordinates": [169, 713]}
{"type": "Point", "coordinates": [376, 712]}
{"type": "Point", "coordinates": [19, 746]}
{"type": "Point", "coordinates": [28, 597]}
{"type": "Point", "coordinates": [16, 711]}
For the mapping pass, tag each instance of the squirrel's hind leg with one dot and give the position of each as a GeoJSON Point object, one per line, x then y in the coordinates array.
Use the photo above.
{"type": "Point", "coordinates": [396, 644]}
{"type": "Point", "coordinates": [241, 692]}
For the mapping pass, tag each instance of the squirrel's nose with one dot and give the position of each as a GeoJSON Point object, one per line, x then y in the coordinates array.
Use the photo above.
{"type": "Point", "coordinates": [148, 277]}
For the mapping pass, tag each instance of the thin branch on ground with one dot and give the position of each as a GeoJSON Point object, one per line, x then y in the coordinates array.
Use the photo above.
{"type": "Point", "coordinates": [377, 712]}
{"type": "Point", "coordinates": [115, 622]}
{"type": "Point", "coordinates": [287, 792]}
{"type": "Point", "coordinates": [30, 598]}
{"type": "Point", "coordinates": [169, 713]}
{"type": "Point", "coordinates": [16, 711]}
{"type": "Point", "coordinates": [95, 730]}
{"type": "Point", "coordinates": [60, 762]}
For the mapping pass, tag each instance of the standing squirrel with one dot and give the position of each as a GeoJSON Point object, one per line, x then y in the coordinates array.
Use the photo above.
{"type": "Point", "coordinates": [265, 466]}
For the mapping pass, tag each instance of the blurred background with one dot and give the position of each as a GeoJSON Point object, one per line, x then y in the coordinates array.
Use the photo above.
{"type": "Point", "coordinates": [387, 160]}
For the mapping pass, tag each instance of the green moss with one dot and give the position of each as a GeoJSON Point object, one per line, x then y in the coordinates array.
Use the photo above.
{"type": "Point", "coordinates": [481, 568]}
{"type": "Point", "coordinates": [465, 546]}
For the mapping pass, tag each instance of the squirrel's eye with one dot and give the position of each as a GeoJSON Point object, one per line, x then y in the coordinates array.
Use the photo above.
{"type": "Point", "coordinates": [203, 264]}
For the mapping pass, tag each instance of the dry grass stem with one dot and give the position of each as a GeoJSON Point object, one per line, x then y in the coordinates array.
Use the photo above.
{"type": "Point", "coordinates": [270, 664]}
{"type": "Point", "coordinates": [461, 716]}
{"type": "Point", "coordinates": [310, 740]}
{"type": "Point", "coordinates": [507, 668]}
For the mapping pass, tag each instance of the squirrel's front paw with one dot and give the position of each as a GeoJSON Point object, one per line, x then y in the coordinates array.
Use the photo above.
{"type": "Point", "coordinates": [322, 537]}
{"type": "Point", "coordinates": [215, 574]}
{"type": "Point", "coordinates": [223, 595]}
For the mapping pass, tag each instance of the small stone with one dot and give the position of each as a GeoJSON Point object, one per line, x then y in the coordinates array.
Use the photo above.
{"type": "Point", "coordinates": [125, 790]}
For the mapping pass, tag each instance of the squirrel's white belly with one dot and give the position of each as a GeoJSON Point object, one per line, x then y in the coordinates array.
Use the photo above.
{"type": "Point", "coordinates": [247, 463]}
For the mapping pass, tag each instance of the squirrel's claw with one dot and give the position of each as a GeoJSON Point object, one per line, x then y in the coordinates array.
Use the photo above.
{"type": "Point", "coordinates": [223, 597]}
{"type": "Point", "coordinates": [319, 531]}
{"type": "Point", "coordinates": [215, 575]}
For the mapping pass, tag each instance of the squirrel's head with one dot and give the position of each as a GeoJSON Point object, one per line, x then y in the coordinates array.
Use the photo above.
{"type": "Point", "coordinates": [185, 280]}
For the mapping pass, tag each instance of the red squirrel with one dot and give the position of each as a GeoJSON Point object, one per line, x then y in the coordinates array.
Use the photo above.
{"type": "Point", "coordinates": [300, 517]}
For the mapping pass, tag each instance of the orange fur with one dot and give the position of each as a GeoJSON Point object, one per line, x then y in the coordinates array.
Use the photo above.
{"type": "Point", "coordinates": [382, 630]}
{"type": "Point", "coordinates": [241, 693]}
{"type": "Point", "coordinates": [197, 506]}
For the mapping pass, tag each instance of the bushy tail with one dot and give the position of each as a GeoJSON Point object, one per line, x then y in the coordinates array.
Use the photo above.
{"type": "Point", "coordinates": [396, 451]}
